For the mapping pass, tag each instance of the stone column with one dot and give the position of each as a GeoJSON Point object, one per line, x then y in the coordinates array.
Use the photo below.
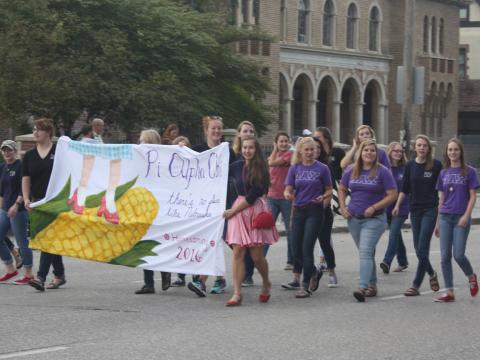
{"type": "Point", "coordinates": [358, 115]}
{"type": "Point", "coordinates": [336, 120]}
{"type": "Point", "coordinates": [312, 115]}
{"type": "Point", "coordinates": [286, 121]}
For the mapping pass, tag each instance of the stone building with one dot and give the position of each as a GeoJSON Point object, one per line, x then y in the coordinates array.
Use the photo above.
{"type": "Point", "coordinates": [334, 63]}
{"type": "Point", "coordinates": [469, 84]}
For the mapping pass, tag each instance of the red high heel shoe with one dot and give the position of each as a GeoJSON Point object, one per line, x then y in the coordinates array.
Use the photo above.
{"type": "Point", "coordinates": [263, 298]}
{"type": "Point", "coordinates": [103, 211]}
{"type": "Point", "coordinates": [73, 201]}
{"type": "Point", "coordinates": [236, 300]}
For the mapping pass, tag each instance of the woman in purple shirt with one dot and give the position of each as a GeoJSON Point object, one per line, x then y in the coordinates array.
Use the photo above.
{"type": "Point", "coordinates": [456, 187]}
{"type": "Point", "coordinates": [364, 132]}
{"type": "Point", "coordinates": [309, 186]}
{"type": "Point", "coordinates": [396, 247]}
{"type": "Point", "coordinates": [372, 188]}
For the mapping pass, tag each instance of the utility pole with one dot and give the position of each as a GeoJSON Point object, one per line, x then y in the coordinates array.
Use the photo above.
{"type": "Point", "coordinates": [408, 59]}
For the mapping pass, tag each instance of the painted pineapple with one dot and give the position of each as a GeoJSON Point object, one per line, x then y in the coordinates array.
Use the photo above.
{"type": "Point", "coordinates": [90, 237]}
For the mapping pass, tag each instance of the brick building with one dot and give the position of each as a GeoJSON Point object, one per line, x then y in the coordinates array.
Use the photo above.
{"type": "Point", "coordinates": [469, 84]}
{"type": "Point", "coordinates": [335, 63]}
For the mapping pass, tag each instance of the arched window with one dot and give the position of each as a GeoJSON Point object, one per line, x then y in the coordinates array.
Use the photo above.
{"type": "Point", "coordinates": [374, 29]}
{"type": "Point", "coordinates": [441, 35]}
{"type": "Point", "coordinates": [426, 29]}
{"type": "Point", "coordinates": [328, 23]}
{"type": "Point", "coordinates": [245, 11]}
{"type": "Point", "coordinates": [256, 12]}
{"type": "Point", "coordinates": [303, 13]}
{"type": "Point", "coordinates": [283, 20]}
{"type": "Point", "coordinates": [433, 47]}
{"type": "Point", "coordinates": [352, 16]}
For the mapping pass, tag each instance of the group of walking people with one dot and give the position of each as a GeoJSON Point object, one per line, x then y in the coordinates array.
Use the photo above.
{"type": "Point", "coordinates": [307, 183]}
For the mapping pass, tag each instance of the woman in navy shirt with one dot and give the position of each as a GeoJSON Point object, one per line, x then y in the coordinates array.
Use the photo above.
{"type": "Point", "coordinates": [419, 182]}
{"type": "Point", "coordinates": [13, 214]}
{"type": "Point", "coordinates": [457, 185]}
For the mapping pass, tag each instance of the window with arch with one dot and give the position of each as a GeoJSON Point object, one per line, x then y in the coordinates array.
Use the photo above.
{"type": "Point", "coordinates": [245, 11]}
{"type": "Point", "coordinates": [374, 29]}
{"type": "Point", "coordinates": [426, 29]}
{"type": "Point", "coordinates": [303, 13]}
{"type": "Point", "coordinates": [283, 20]}
{"type": "Point", "coordinates": [328, 23]}
{"type": "Point", "coordinates": [256, 12]}
{"type": "Point", "coordinates": [441, 35]}
{"type": "Point", "coordinates": [352, 17]}
{"type": "Point", "coordinates": [433, 46]}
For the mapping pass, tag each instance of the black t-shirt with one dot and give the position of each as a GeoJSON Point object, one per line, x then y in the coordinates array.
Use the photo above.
{"type": "Point", "coordinates": [39, 171]}
{"type": "Point", "coordinates": [336, 156]}
{"type": "Point", "coordinates": [204, 147]}
{"type": "Point", "coordinates": [11, 184]}
{"type": "Point", "coordinates": [420, 184]}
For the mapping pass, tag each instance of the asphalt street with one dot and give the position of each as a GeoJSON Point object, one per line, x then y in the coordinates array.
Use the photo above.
{"type": "Point", "coordinates": [96, 315]}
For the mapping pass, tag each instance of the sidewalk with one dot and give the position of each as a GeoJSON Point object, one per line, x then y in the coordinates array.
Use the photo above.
{"type": "Point", "coordinates": [340, 224]}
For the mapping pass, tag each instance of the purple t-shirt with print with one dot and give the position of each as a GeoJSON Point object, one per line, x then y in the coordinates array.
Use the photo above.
{"type": "Point", "coordinates": [397, 172]}
{"type": "Point", "coordinates": [366, 191]}
{"type": "Point", "coordinates": [309, 181]}
{"type": "Point", "coordinates": [456, 188]}
{"type": "Point", "coordinates": [383, 158]}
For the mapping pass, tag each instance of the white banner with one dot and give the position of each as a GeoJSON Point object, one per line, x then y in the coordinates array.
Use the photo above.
{"type": "Point", "coordinates": [157, 207]}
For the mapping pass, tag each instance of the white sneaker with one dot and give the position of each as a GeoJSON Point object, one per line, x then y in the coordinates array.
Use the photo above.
{"type": "Point", "coordinates": [332, 281]}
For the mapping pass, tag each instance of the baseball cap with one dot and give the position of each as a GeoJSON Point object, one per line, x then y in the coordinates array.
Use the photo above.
{"type": "Point", "coordinates": [306, 132]}
{"type": "Point", "coordinates": [9, 144]}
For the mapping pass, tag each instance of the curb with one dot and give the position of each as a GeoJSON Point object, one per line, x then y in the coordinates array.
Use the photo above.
{"type": "Point", "coordinates": [344, 229]}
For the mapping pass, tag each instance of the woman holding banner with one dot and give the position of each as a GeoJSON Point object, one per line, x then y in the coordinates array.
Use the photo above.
{"type": "Point", "coordinates": [151, 136]}
{"type": "Point", "coordinates": [37, 169]}
{"type": "Point", "coordinates": [252, 181]}
{"type": "Point", "coordinates": [213, 129]}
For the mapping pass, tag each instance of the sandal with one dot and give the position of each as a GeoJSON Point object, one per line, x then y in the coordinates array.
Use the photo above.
{"type": "Point", "coordinates": [236, 300]}
{"type": "Point", "coordinates": [265, 294]}
{"type": "Point", "coordinates": [55, 285]}
{"type": "Point", "coordinates": [411, 292]}
{"type": "Point", "coordinates": [370, 291]}
{"type": "Point", "coordinates": [359, 294]}
{"type": "Point", "coordinates": [434, 285]}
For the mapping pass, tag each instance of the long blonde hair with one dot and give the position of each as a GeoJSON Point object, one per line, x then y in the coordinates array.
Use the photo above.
{"type": "Point", "coordinates": [361, 127]}
{"type": "Point", "coordinates": [237, 143]}
{"type": "Point", "coordinates": [429, 161]}
{"type": "Point", "coordinates": [390, 148]}
{"type": "Point", "coordinates": [150, 136]}
{"type": "Point", "coordinates": [358, 164]}
{"type": "Point", "coordinates": [301, 142]}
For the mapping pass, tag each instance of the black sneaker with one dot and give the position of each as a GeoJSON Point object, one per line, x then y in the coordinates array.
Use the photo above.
{"type": "Point", "coordinates": [178, 283]}
{"type": "Point", "coordinates": [315, 280]}
{"type": "Point", "coordinates": [198, 288]}
{"type": "Point", "coordinates": [37, 284]}
{"type": "Point", "coordinates": [166, 280]}
{"type": "Point", "coordinates": [385, 268]}
{"type": "Point", "coordinates": [145, 290]}
{"type": "Point", "coordinates": [292, 285]}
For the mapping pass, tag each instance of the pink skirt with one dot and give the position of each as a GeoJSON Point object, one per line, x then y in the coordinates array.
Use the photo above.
{"type": "Point", "coordinates": [240, 231]}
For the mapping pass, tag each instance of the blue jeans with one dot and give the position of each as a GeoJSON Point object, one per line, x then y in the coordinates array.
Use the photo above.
{"type": "Point", "coordinates": [276, 206]}
{"type": "Point", "coordinates": [284, 207]}
{"type": "Point", "coordinates": [423, 224]}
{"type": "Point", "coordinates": [395, 241]}
{"type": "Point", "coordinates": [453, 236]}
{"type": "Point", "coordinates": [19, 226]}
{"type": "Point", "coordinates": [366, 233]}
{"type": "Point", "coordinates": [306, 226]}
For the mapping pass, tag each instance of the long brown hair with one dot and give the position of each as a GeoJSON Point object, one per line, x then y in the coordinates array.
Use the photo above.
{"type": "Point", "coordinates": [358, 164]}
{"type": "Point", "coordinates": [372, 132]}
{"type": "Point", "coordinates": [429, 161]}
{"type": "Point", "coordinates": [237, 143]}
{"type": "Point", "coordinates": [166, 134]}
{"type": "Point", "coordinates": [328, 137]}
{"type": "Point", "coordinates": [256, 170]}
{"type": "Point", "coordinates": [390, 148]}
{"type": "Point", "coordinates": [446, 160]}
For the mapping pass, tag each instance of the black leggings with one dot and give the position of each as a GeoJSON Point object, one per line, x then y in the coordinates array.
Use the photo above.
{"type": "Point", "coordinates": [325, 238]}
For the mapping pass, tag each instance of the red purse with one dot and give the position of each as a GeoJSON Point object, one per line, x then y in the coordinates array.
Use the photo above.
{"type": "Point", "coordinates": [263, 220]}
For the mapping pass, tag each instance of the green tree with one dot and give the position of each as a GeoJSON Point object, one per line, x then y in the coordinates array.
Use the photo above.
{"type": "Point", "coordinates": [137, 63]}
